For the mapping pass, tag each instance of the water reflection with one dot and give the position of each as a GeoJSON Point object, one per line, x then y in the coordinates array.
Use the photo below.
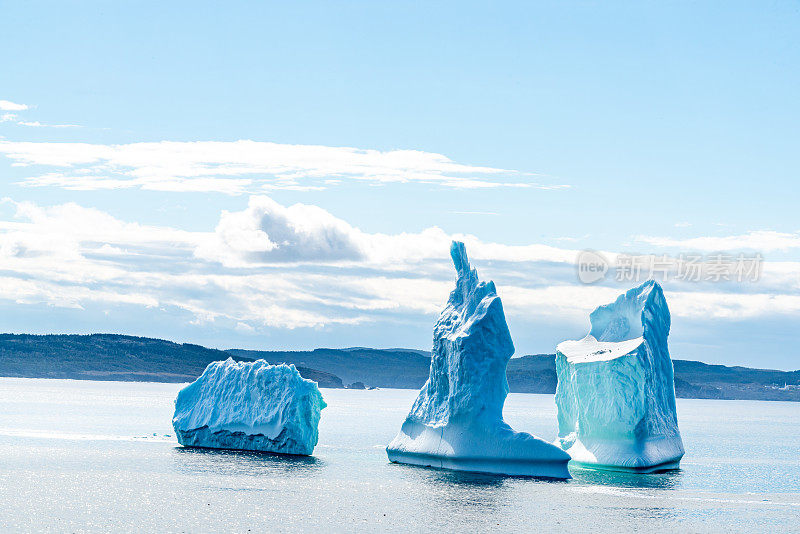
{"type": "Point", "coordinates": [465, 480]}
{"type": "Point", "coordinates": [630, 492]}
{"type": "Point", "coordinates": [668, 480]}
{"type": "Point", "coordinates": [461, 493]}
{"type": "Point", "coordinates": [457, 491]}
{"type": "Point", "coordinates": [189, 460]}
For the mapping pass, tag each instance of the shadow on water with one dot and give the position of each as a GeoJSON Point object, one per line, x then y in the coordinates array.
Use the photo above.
{"type": "Point", "coordinates": [619, 479]}
{"type": "Point", "coordinates": [192, 460]}
{"type": "Point", "coordinates": [462, 479]}
{"type": "Point", "coordinates": [434, 476]}
{"type": "Point", "coordinates": [624, 489]}
{"type": "Point", "coordinates": [462, 491]}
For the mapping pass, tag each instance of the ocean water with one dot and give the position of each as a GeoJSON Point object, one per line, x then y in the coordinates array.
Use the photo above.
{"type": "Point", "coordinates": [101, 456]}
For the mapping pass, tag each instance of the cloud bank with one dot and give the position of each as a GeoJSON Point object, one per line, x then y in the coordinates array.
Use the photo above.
{"type": "Point", "coordinates": [272, 266]}
{"type": "Point", "coordinates": [241, 167]}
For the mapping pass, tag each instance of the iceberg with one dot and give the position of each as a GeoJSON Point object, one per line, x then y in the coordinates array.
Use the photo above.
{"type": "Point", "coordinates": [615, 393]}
{"type": "Point", "coordinates": [249, 406]}
{"type": "Point", "coordinates": [456, 421]}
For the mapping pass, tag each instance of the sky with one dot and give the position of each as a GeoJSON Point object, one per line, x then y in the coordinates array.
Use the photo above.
{"type": "Point", "coordinates": [290, 175]}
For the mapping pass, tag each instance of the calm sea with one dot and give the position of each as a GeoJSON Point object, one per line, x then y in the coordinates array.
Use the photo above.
{"type": "Point", "coordinates": [100, 456]}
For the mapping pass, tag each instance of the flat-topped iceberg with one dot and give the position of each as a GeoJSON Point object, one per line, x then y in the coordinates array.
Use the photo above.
{"type": "Point", "coordinates": [457, 420]}
{"type": "Point", "coordinates": [250, 406]}
{"type": "Point", "coordinates": [615, 394]}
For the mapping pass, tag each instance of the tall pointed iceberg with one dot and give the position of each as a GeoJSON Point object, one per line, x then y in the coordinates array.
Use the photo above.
{"type": "Point", "coordinates": [615, 394]}
{"type": "Point", "coordinates": [457, 420]}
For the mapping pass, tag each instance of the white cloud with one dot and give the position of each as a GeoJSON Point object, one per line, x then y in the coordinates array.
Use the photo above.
{"type": "Point", "coordinates": [37, 124]}
{"type": "Point", "coordinates": [240, 167]}
{"type": "Point", "coordinates": [268, 232]}
{"type": "Point", "coordinates": [89, 224]}
{"type": "Point", "coordinates": [475, 212]}
{"type": "Point", "coordinates": [760, 240]}
{"type": "Point", "coordinates": [6, 105]}
{"type": "Point", "coordinates": [718, 305]}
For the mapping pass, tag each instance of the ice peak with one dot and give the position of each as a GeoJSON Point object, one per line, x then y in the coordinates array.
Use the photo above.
{"type": "Point", "coordinates": [628, 316]}
{"type": "Point", "coordinates": [470, 295]}
{"type": "Point", "coordinates": [467, 277]}
{"type": "Point", "coordinates": [459, 254]}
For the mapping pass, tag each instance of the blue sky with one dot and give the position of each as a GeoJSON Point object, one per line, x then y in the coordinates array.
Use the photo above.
{"type": "Point", "coordinates": [619, 126]}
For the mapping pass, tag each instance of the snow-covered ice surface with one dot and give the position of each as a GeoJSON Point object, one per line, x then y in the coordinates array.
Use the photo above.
{"type": "Point", "coordinates": [457, 420]}
{"type": "Point", "coordinates": [615, 394]}
{"type": "Point", "coordinates": [251, 406]}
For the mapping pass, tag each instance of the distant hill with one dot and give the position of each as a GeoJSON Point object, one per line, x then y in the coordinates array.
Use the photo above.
{"type": "Point", "coordinates": [129, 358]}
{"type": "Point", "coordinates": [392, 368]}
{"type": "Point", "coordinates": [116, 357]}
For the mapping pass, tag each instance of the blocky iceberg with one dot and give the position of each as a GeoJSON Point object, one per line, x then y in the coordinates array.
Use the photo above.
{"type": "Point", "coordinates": [250, 406]}
{"type": "Point", "coordinates": [457, 420]}
{"type": "Point", "coordinates": [615, 394]}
